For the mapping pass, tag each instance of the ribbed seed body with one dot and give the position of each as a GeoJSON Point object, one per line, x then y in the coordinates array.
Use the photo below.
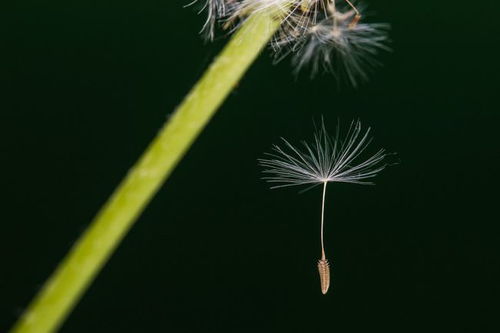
{"type": "Point", "coordinates": [324, 275]}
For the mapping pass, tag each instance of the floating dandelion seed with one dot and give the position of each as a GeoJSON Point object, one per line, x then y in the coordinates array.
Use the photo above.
{"type": "Point", "coordinates": [318, 34]}
{"type": "Point", "coordinates": [327, 159]}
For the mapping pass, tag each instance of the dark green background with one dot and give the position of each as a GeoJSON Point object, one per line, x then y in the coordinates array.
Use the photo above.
{"type": "Point", "coordinates": [87, 84]}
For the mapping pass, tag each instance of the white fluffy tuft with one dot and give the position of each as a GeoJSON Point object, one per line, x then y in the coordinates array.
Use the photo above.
{"type": "Point", "coordinates": [326, 159]}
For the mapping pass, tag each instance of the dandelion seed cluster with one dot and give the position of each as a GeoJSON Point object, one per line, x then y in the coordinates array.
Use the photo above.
{"type": "Point", "coordinates": [318, 34]}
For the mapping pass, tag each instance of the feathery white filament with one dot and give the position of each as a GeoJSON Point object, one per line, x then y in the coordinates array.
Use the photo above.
{"type": "Point", "coordinates": [326, 159]}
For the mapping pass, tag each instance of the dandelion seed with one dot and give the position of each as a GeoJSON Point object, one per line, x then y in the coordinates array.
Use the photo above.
{"type": "Point", "coordinates": [216, 9]}
{"type": "Point", "coordinates": [346, 51]}
{"type": "Point", "coordinates": [336, 41]}
{"type": "Point", "coordinates": [325, 160]}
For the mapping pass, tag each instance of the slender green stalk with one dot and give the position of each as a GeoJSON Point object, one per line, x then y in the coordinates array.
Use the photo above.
{"type": "Point", "coordinates": [77, 270]}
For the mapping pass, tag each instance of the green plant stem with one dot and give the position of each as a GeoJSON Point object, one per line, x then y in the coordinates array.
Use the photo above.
{"type": "Point", "coordinates": [78, 269]}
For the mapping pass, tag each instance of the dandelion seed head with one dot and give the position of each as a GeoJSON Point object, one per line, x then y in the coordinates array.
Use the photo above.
{"type": "Point", "coordinates": [325, 159]}
{"type": "Point", "coordinates": [318, 34]}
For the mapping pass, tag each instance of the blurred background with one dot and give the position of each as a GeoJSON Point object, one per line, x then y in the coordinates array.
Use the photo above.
{"type": "Point", "coordinates": [87, 84]}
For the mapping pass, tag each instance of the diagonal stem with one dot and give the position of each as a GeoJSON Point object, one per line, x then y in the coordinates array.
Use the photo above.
{"type": "Point", "coordinates": [77, 270]}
